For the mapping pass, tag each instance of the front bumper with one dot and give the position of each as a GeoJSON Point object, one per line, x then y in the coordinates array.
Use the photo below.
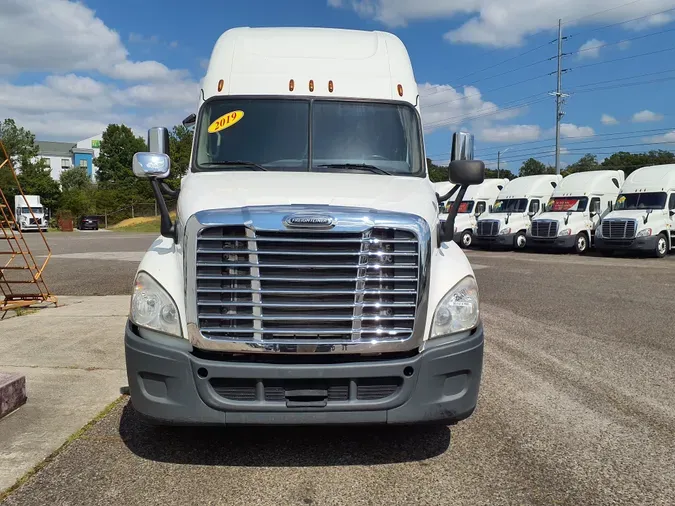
{"type": "Point", "coordinates": [169, 385]}
{"type": "Point", "coordinates": [564, 242]}
{"type": "Point", "coordinates": [506, 240]}
{"type": "Point", "coordinates": [639, 244]}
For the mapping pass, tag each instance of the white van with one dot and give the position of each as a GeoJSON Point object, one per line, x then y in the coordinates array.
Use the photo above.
{"type": "Point", "coordinates": [307, 278]}
{"type": "Point", "coordinates": [521, 200]}
{"type": "Point", "coordinates": [575, 209]}
{"type": "Point", "coordinates": [477, 201]}
{"type": "Point", "coordinates": [642, 219]}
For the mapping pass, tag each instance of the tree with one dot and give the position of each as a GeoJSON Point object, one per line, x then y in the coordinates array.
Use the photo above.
{"type": "Point", "coordinates": [437, 173]}
{"type": "Point", "coordinates": [533, 167]}
{"type": "Point", "coordinates": [118, 145]}
{"type": "Point", "coordinates": [180, 147]}
{"type": "Point", "coordinates": [75, 178]}
{"type": "Point", "coordinates": [629, 162]}
{"type": "Point", "coordinates": [19, 143]}
{"type": "Point", "coordinates": [586, 163]}
{"type": "Point", "coordinates": [501, 174]}
{"type": "Point", "coordinates": [35, 179]}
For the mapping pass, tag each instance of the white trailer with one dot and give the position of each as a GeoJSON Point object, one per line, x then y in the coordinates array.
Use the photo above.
{"type": "Point", "coordinates": [643, 218]}
{"type": "Point", "coordinates": [25, 220]}
{"type": "Point", "coordinates": [575, 209]}
{"type": "Point", "coordinates": [307, 278]}
{"type": "Point", "coordinates": [521, 200]}
{"type": "Point", "coordinates": [477, 201]}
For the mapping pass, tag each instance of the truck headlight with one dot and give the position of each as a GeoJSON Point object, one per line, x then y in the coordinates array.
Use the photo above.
{"type": "Point", "coordinates": [505, 230]}
{"type": "Point", "coordinates": [153, 308]}
{"type": "Point", "coordinates": [645, 232]}
{"type": "Point", "coordinates": [458, 309]}
{"type": "Point", "coordinates": [565, 232]}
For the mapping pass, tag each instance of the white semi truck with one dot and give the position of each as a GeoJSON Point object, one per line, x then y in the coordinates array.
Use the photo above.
{"type": "Point", "coordinates": [521, 200]}
{"type": "Point", "coordinates": [575, 209]}
{"type": "Point", "coordinates": [307, 278]}
{"type": "Point", "coordinates": [643, 218]}
{"type": "Point", "coordinates": [25, 220]}
{"type": "Point", "coordinates": [478, 200]}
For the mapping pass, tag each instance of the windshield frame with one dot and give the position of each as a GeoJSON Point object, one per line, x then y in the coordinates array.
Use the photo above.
{"type": "Point", "coordinates": [664, 206]}
{"type": "Point", "coordinates": [195, 167]}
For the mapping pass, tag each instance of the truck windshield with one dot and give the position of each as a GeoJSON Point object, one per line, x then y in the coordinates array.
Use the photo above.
{"type": "Point", "coordinates": [567, 204]}
{"type": "Point", "coordinates": [647, 200]}
{"type": "Point", "coordinates": [283, 134]}
{"type": "Point", "coordinates": [510, 206]}
{"type": "Point", "coordinates": [36, 210]}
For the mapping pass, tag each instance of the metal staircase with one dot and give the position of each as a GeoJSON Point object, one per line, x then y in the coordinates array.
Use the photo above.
{"type": "Point", "coordinates": [21, 277]}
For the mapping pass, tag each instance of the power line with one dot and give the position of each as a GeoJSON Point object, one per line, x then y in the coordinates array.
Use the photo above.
{"type": "Point", "coordinates": [626, 78]}
{"type": "Point", "coordinates": [601, 12]}
{"type": "Point", "coordinates": [621, 22]}
{"type": "Point", "coordinates": [623, 58]}
{"type": "Point", "coordinates": [593, 48]}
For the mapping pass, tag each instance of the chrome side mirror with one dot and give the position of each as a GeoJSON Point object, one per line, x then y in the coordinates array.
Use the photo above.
{"type": "Point", "coordinates": [462, 146]}
{"type": "Point", "coordinates": [151, 165]}
{"type": "Point", "coordinates": [158, 140]}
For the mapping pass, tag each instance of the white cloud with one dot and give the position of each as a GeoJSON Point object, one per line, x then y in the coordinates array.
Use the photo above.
{"type": "Point", "coordinates": [571, 130]}
{"type": "Point", "coordinates": [623, 45]}
{"type": "Point", "coordinates": [590, 49]}
{"type": "Point", "coordinates": [646, 116]}
{"type": "Point", "coordinates": [510, 133]}
{"type": "Point", "coordinates": [667, 137]}
{"type": "Point", "coordinates": [65, 36]}
{"type": "Point", "coordinates": [443, 106]}
{"type": "Point", "coordinates": [173, 44]}
{"type": "Point", "coordinates": [606, 119]}
{"type": "Point", "coordinates": [498, 23]}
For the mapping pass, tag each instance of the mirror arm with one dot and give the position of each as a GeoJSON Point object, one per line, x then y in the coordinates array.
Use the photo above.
{"type": "Point", "coordinates": [167, 229]}
{"type": "Point", "coordinates": [169, 191]}
{"type": "Point", "coordinates": [449, 194]}
{"type": "Point", "coordinates": [448, 230]}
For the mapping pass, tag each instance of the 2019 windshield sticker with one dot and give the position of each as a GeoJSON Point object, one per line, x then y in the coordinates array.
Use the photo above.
{"type": "Point", "coordinates": [621, 199]}
{"type": "Point", "coordinates": [226, 121]}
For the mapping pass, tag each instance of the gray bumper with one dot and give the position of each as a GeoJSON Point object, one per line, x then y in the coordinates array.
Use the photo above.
{"type": "Point", "coordinates": [174, 386]}
{"type": "Point", "coordinates": [639, 244]}
{"type": "Point", "coordinates": [507, 240]}
{"type": "Point", "coordinates": [565, 242]}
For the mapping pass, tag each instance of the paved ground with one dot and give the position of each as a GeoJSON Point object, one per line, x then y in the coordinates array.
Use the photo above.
{"type": "Point", "coordinates": [576, 407]}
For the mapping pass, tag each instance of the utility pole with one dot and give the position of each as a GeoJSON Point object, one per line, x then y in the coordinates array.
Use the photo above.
{"type": "Point", "coordinates": [499, 155]}
{"type": "Point", "coordinates": [559, 98]}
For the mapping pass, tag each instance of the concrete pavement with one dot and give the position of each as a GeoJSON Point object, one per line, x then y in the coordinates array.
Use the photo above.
{"type": "Point", "coordinates": [73, 360]}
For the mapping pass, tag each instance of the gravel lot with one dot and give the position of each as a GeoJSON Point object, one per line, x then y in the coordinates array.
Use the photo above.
{"type": "Point", "coordinates": [576, 407]}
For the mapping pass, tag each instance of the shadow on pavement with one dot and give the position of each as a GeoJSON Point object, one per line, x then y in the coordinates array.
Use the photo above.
{"type": "Point", "coordinates": [281, 446]}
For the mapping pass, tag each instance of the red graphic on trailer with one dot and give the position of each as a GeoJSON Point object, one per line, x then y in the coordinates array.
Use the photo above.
{"type": "Point", "coordinates": [563, 204]}
{"type": "Point", "coordinates": [464, 207]}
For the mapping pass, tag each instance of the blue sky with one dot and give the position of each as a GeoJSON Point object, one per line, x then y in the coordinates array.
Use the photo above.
{"type": "Point", "coordinates": [73, 68]}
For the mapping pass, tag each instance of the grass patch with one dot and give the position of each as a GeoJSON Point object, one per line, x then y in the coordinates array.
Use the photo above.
{"type": "Point", "coordinates": [73, 437]}
{"type": "Point", "coordinates": [140, 224]}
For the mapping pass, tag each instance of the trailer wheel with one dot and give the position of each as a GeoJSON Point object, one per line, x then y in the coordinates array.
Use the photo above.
{"type": "Point", "coordinates": [466, 240]}
{"type": "Point", "coordinates": [661, 249]}
{"type": "Point", "coordinates": [520, 240]}
{"type": "Point", "coordinates": [581, 243]}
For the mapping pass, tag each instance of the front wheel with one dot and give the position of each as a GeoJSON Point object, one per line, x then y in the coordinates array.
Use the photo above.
{"type": "Point", "coordinates": [466, 240]}
{"type": "Point", "coordinates": [661, 249]}
{"type": "Point", "coordinates": [581, 243]}
{"type": "Point", "coordinates": [520, 240]}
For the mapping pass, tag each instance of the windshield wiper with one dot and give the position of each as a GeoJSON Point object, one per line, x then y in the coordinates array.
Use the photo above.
{"type": "Point", "coordinates": [365, 166]}
{"type": "Point", "coordinates": [235, 163]}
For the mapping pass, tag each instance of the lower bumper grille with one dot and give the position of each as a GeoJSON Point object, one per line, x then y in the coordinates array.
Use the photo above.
{"type": "Point", "coordinates": [488, 228]}
{"type": "Point", "coordinates": [544, 228]}
{"type": "Point", "coordinates": [618, 229]}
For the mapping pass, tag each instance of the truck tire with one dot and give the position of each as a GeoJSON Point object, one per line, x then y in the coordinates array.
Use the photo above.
{"type": "Point", "coordinates": [466, 240]}
{"type": "Point", "coordinates": [661, 249]}
{"type": "Point", "coordinates": [581, 243]}
{"type": "Point", "coordinates": [520, 241]}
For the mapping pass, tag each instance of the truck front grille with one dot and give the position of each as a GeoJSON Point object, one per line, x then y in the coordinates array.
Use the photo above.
{"type": "Point", "coordinates": [292, 285]}
{"type": "Point", "coordinates": [618, 229]}
{"type": "Point", "coordinates": [544, 228]}
{"type": "Point", "coordinates": [488, 228]}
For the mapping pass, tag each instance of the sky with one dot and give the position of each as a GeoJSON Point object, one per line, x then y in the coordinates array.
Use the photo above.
{"type": "Point", "coordinates": [68, 69]}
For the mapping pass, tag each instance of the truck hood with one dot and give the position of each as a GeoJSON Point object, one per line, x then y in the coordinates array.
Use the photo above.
{"type": "Point", "coordinates": [560, 217]}
{"type": "Point", "coordinates": [219, 190]}
{"type": "Point", "coordinates": [515, 219]}
{"type": "Point", "coordinates": [636, 214]}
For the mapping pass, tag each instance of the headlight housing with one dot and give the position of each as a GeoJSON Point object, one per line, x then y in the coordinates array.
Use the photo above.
{"type": "Point", "coordinates": [645, 232]}
{"type": "Point", "coordinates": [458, 310]}
{"type": "Point", "coordinates": [565, 232]}
{"type": "Point", "coordinates": [505, 230]}
{"type": "Point", "coordinates": [153, 308]}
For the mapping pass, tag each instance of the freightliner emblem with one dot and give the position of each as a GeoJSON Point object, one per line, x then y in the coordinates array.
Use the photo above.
{"type": "Point", "coordinates": [309, 220]}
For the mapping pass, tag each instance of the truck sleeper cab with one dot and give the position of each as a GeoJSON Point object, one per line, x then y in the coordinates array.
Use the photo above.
{"type": "Point", "coordinates": [307, 278]}
{"type": "Point", "coordinates": [575, 209]}
{"type": "Point", "coordinates": [643, 218]}
{"type": "Point", "coordinates": [478, 200]}
{"type": "Point", "coordinates": [521, 200]}
{"type": "Point", "coordinates": [29, 213]}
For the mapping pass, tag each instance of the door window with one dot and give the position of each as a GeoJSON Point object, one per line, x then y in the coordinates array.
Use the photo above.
{"type": "Point", "coordinates": [480, 207]}
{"type": "Point", "coordinates": [534, 207]}
{"type": "Point", "coordinates": [595, 205]}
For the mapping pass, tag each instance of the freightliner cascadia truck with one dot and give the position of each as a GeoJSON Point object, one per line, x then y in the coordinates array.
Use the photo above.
{"type": "Point", "coordinates": [306, 277]}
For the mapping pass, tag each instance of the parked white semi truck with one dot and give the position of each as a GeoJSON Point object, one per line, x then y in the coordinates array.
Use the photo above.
{"type": "Point", "coordinates": [478, 200]}
{"type": "Point", "coordinates": [25, 220]}
{"type": "Point", "coordinates": [575, 209]}
{"type": "Point", "coordinates": [643, 218]}
{"type": "Point", "coordinates": [307, 278]}
{"type": "Point", "coordinates": [521, 200]}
